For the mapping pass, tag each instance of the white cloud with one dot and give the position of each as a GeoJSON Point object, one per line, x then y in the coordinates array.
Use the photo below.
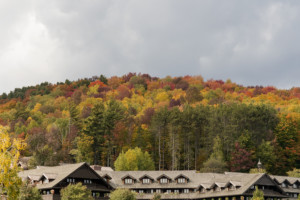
{"type": "Point", "coordinates": [251, 42]}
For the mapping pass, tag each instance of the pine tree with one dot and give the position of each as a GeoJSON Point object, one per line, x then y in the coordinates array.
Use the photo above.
{"type": "Point", "coordinates": [216, 162]}
{"type": "Point", "coordinates": [93, 126]}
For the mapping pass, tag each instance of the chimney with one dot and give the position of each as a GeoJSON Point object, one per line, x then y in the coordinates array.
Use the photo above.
{"type": "Point", "coordinates": [96, 167]}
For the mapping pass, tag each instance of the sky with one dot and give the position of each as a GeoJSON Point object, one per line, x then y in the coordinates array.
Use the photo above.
{"type": "Point", "coordinates": [250, 42]}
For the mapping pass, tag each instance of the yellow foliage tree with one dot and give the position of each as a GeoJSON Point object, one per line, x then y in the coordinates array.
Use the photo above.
{"type": "Point", "coordinates": [10, 183]}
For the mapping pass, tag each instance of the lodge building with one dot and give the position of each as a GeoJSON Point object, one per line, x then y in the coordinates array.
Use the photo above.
{"type": "Point", "coordinates": [169, 184]}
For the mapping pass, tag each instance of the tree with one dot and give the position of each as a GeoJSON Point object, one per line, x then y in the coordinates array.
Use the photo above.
{"type": "Point", "coordinates": [159, 124]}
{"type": "Point", "coordinates": [257, 171]}
{"type": "Point", "coordinates": [193, 95]}
{"type": "Point", "coordinates": [134, 160]}
{"type": "Point", "coordinates": [113, 113]}
{"type": "Point", "coordinates": [84, 151]}
{"type": "Point", "coordinates": [76, 192]}
{"type": "Point", "coordinates": [122, 194]}
{"type": "Point", "coordinates": [156, 196]}
{"type": "Point", "coordinates": [265, 153]}
{"type": "Point", "coordinates": [241, 160]}
{"type": "Point", "coordinates": [258, 194]}
{"type": "Point", "coordinates": [216, 162]}
{"type": "Point", "coordinates": [294, 173]}
{"type": "Point", "coordinates": [10, 183]}
{"type": "Point", "coordinates": [29, 192]}
{"type": "Point", "coordinates": [93, 127]}
{"type": "Point", "coordinates": [287, 138]}
{"type": "Point", "coordinates": [100, 125]}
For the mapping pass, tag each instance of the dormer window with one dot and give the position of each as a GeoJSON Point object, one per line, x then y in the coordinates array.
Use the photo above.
{"type": "Point", "coordinates": [128, 181]}
{"type": "Point", "coordinates": [186, 191]}
{"type": "Point", "coordinates": [231, 187]}
{"type": "Point", "coordinates": [283, 185]}
{"type": "Point", "coordinates": [216, 188]}
{"type": "Point", "coordinates": [295, 186]}
{"type": "Point", "coordinates": [146, 180]}
{"type": "Point", "coordinates": [163, 180]}
{"type": "Point", "coordinates": [181, 180]}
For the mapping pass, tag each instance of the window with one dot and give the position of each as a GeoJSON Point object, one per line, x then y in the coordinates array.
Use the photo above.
{"type": "Point", "coordinates": [169, 191]}
{"type": "Point", "coordinates": [295, 195]}
{"type": "Point", "coordinates": [295, 186]}
{"type": "Point", "coordinates": [181, 180]}
{"type": "Point", "coordinates": [146, 180]}
{"type": "Point", "coordinates": [141, 191]}
{"type": "Point", "coordinates": [231, 187]}
{"type": "Point", "coordinates": [283, 185]}
{"type": "Point", "coordinates": [158, 191]}
{"type": "Point", "coordinates": [176, 191]}
{"type": "Point", "coordinates": [163, 180]}
{"type": "Point", "coordinates": [70, 180]}
{"type": "Point", "coordinates": [202, 190]}
{"type": "Point", "coordinates": [87, 181]}
{"type": "Point", "coordinates": [252, 187]}
{"type": "Point", "coordinates": [128, 181]}
{"type": "Point", "coordinates": [186, 191]}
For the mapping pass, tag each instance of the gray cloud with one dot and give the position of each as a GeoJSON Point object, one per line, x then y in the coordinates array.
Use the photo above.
{"type": "Point", "coordinates": [250, 42]}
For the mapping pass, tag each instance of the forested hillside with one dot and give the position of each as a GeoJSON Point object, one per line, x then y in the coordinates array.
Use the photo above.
{"type": "Point", "coordinates": [178, 120]}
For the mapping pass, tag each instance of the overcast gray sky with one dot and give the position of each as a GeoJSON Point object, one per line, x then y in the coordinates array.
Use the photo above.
{"type": "Point", "coordinates": [251, 42]}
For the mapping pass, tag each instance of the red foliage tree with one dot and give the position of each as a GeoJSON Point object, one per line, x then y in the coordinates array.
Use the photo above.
{"type": "Point", "coordinates": [241, 160]}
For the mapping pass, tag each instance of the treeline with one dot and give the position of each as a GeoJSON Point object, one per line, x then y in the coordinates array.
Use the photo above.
{"type": "Point", "coordinates": [177, 120]}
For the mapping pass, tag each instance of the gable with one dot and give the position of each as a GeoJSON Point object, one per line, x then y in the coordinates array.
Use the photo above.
{"type": "Point", "coordinates": [262, 182]}
{"type": "Point", "coordinates": [163, 176]}
{"type": "Point", "coordinates": [146, 176]}
{"type": "Point", "coordinates": [84, 172]}
{"type": "Point", "coordinates": [265, 180]}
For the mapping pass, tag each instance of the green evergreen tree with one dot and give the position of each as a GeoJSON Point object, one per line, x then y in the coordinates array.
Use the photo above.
{"type": "Point", "coordinates": [216, 162]}
{"type": "Point", "coordinates": [74, 116]}
{"type": "Point", "coordinates": [93, 126]}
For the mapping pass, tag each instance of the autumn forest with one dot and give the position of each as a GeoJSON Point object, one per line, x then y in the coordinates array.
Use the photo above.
{"type": "Point", "coordinates": [182, 122]}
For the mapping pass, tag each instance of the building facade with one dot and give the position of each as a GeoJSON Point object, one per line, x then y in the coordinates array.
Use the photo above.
{"type": "Point", "coordinates": [168, 184]}
{"type": "Point", "coordinates": [50, 180]}
{"type": "Point", "coordinates": [193, 185]}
